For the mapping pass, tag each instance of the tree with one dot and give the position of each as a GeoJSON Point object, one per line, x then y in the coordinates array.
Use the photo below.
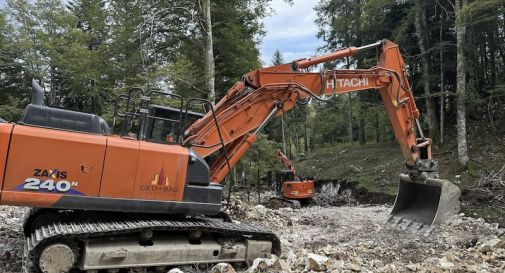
{"type": "Point", "coordinates": [461, 84]}
{"type": "Point", "coordinates": [422, 39]}
{"type": "Point", "coordinates": [277, 58]}
{"type": "Point", "coordinates": [208, 50]}
{"type": "Point", "coordinates": [12, 79]}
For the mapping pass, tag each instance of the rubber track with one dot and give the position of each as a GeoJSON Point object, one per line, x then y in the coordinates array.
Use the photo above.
{"type": "Point", "coordinates": [83, 230]}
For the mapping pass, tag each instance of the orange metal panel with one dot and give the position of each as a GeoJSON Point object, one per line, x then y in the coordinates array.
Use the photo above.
{"type": "Point", "coordinates": [30, 199]}
{"type": "Point", "coordinates": [161, 172]}
{"type": "Point", "coordinates": [5, 135]}
{"type": "Point", "coordinates": [54, 161]}
{"type": "Point", "coordinates": [298, 189]}
{"type": "Point", "coordinates": [120, 168]}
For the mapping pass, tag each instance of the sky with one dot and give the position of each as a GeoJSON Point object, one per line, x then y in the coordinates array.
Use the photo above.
{"type": "Point", "coordinates": [291, 29]}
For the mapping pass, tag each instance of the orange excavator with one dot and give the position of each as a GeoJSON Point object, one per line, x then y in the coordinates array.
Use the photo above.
{"type": "Point", "coordinates": [291, 188]}
{"type": "Point", "coordinates": [150, 197]}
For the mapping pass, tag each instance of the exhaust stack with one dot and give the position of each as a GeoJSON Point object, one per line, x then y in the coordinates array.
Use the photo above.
{"type": "Point", "coordinates": [37, 93]}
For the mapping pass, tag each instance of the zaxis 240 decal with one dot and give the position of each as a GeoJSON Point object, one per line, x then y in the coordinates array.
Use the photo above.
{"type": "Point", "coordinates": [46, 181]}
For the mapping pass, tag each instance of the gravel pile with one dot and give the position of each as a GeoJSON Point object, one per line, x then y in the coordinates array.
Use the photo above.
{"type": "Point", "coordinates": [11, 238]}
{"type": "Point", "coordinates": [336, 239]}
{"type": "Point", "coordinates": [356, 239]}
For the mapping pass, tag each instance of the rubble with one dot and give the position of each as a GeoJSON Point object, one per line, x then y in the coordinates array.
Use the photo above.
{"type": "Point", "coordinates": [273, 264]}
{"type": "Point", "coordinates": [355, 238]}
{"type": "Point", "coordinates": [349, 238]}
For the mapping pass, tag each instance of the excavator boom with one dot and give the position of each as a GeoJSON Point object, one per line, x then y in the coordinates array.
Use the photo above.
{"type": "Point", "coordinates": [269, 92]}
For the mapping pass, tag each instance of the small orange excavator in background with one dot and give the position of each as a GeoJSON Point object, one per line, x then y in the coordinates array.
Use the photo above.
{"type": "Point", "coordinates": [151, 196]}
{"type": "Point", "coordinates": [291, 189]}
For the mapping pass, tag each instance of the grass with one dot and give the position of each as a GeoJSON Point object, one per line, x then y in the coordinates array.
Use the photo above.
{"type": "Point", "coordinates": [376, 165]}
{"type": "Point", "coordinates": [372, 165]}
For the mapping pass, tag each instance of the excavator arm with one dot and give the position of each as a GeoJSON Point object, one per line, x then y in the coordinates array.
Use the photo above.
{"type": "Point", "coordinates": [286, 162]}
{"type": "Point", "coordinates": [269, 92]}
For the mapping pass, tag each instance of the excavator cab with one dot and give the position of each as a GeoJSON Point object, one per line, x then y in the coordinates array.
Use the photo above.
{"type": "Point", "coordinates": [282, 176]}
{"type": "Point", "coordinates": [163, 126]}
{"type": "Point", "coordinates": [153, 122]}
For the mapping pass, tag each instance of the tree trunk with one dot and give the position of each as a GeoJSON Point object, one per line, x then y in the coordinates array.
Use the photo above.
{"type": "Point", "coordinates": [52, 92]}
{"type": "Point", "coordinates": [283, 136]}
{"type": "Point", "coordinates": [377, 128]}
{"type": "Point", "coordinates": [350, 118]}
{"type": "Point", "coordinates": [442, 98]}
{"type": "Point", "coordinates": [361, 132]}
{"type": "Point", "coordinates": [306, 136]}
{"type": "Point", "coordinates": [492, 56]}
{"type": "Point", "coordinates": [422, 40]}
{"type": "Point", "coordinates": [460, 86]}
{"type": "Point", "coordinates": [208, 51]}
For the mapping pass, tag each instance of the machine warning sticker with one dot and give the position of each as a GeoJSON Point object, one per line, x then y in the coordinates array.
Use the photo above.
{"type": "Point", "coordinates": [52, 181]}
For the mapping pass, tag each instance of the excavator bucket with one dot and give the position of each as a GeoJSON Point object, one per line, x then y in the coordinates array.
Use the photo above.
{"type": "Point", "coordinates": [425, 202]}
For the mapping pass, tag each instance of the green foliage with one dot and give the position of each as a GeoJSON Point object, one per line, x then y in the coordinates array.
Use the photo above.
{"type": "Point", "coordinates": [261, 156]}
{"type": "Point", "coordinates": [481, 12]}
{"type": "Point", "coordinates": [358, 22]}
{"type": "Point", "coordinates": [85, 52]}
{"type": "Point", "coordinates": [277, 58]}
{"type": "Point", "coordinates": [236, 32]}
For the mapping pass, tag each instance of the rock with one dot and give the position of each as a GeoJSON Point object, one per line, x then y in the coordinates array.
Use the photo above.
{"type": "Point", "coordinates": [354, 267]}
{"type": "Point", "coordinates": [175, 270]}
{"type": "Point", "coordinates": [413, 267]}
{"type": "Point", "coordinates": [260, 209]}
{"type": "Point", "coordinates": [338, 266]}
{"type": "Point", "coordinates": [489, 245]}
{"type": "Point", "coordinates": [251, 214]}
{"type": "Point", "coordinates": [291, 257]}
{"type": "Point", "coordinates": [287, 209]}
{"type": "Point", "coordinates": [222, 268]}
{"type": "Point", "coordinates": [445, 264]}
{"type": "Point", "coordinates": [317, 262]}
{"type": "Point", "coordinates": [274, 264]}
{"type": "Point", "coordinates": [501, 244]}
{"type": "Point", "coordinates": [390, 268]}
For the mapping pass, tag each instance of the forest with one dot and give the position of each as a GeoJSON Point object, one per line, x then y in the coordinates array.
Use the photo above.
{"type": "Point", "coordinates": [86, 52]}
{"type": "Point", "coordinates": [76, 197]}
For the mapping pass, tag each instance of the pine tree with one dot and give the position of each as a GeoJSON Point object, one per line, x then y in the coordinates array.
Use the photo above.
{"type": "Point", "coordinates": [277, 58]}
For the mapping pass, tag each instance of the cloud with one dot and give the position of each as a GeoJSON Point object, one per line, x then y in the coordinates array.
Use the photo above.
{"type": "Point", "coordinates": [291, 29]}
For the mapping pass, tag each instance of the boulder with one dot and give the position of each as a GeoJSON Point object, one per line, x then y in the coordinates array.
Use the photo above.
{"type": "Point", "coordinates": [175, 270]}
{"type": "Point", "coordinates": [222, 268]}
{"type": "Point", "coordinates": [260, 209]}
{"type": "Point", "coordinates": [317, 262]}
